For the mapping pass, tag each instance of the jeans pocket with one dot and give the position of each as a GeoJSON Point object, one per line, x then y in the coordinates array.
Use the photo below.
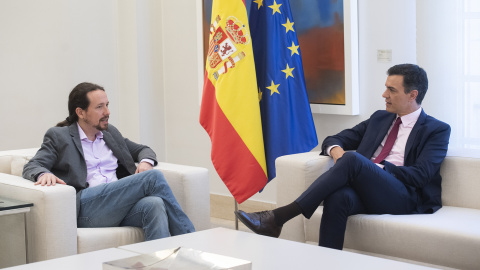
{"type": "Point", "coordinates": [84, 222]}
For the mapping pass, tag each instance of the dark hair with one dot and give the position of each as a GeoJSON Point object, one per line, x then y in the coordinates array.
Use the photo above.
{"type": "Point", "coordinates": [414, 78]}
{"type": "Point", "coordinates": [78, 99]}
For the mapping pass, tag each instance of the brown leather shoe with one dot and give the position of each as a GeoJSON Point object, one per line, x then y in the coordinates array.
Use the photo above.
{"type": "Point", "coordinates": [260, 222]}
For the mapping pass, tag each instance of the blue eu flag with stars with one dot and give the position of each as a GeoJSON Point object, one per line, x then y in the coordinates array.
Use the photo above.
{"type": "Point", "coordinates": [286, 116]}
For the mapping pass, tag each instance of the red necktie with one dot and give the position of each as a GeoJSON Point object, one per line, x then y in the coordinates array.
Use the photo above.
{"type": "Point", "coordinates": [392, 136]}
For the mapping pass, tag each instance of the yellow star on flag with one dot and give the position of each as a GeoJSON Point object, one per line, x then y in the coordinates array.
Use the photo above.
{"type": "Point", "coordinates": [288, 71]}
{"type": "Point", "coordinates": [275, 7]}
{"type": "Point", "coordinates": [259, 95]}
{"type": "Point", "coordinates": [273, 88]}
{"type": "Point", "coordinates": [259, 2]}
{"type": "Point", "coordinates": [294, 49]}
{"type": "Point", "coordinates": [288, 26]}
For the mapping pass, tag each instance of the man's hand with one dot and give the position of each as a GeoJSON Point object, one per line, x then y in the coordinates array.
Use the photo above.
{"type": "Point", "coordinates": [336, 152]}
{"type": "Point", "coordinates": [143, 166]}
{"type": "Point", "coordinates": [49, 179]}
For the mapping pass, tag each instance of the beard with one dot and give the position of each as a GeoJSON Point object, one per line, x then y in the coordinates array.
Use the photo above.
{"type": "Point", "coordinates": [102, 128]}
{"type": "Point", "coordinates": [99, 126]}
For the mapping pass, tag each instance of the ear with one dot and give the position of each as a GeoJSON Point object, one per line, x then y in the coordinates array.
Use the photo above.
{"type": "Point", "coordinates": [413, 94]}
{"type": "Point", "coordinates": [79, 111]}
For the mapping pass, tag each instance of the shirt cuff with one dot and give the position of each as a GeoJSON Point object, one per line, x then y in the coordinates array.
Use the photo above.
{"type": "Point", "coordinates": [330, 148]}
{"type": "Point", "coordinates": [148, 161]}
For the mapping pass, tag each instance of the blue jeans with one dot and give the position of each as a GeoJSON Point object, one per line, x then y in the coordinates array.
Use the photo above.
{"type": "Point", "coordinates": [141, 200]}
{"type": "Point", "coordinates": [354, 185]}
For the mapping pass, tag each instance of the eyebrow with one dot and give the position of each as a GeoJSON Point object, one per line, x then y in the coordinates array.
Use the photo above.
{"type": "Point", "coordinates": [102, 103]}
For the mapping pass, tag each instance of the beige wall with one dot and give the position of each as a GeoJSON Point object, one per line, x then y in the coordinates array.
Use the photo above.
{"type": "Point", "coordinates": [148, 55]}
{"type": "Point", "coordinates": [46, 47]}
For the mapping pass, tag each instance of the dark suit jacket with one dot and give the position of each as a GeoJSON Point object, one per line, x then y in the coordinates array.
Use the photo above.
{"type": "Point", "coordinates": [425, 151]}
{"type": "Point", "coordinates": [61, 153]}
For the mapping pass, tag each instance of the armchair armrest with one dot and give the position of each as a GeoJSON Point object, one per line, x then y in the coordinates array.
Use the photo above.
{"type": "Point", "coordinates": [51, 222]}
{"type": "Point", "coordinates": [295, 173]}
{"type": "Point", "coordinates": [191, 188]}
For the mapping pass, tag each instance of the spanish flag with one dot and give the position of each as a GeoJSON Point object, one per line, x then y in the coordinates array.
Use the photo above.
{"type": "Point", "coordinates": [230, 110]}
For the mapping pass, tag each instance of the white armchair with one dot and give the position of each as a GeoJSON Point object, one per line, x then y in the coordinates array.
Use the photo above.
{"type": "Point", "coordinates": [51, 223]}
{"type": "Point", "coordinates": [448, 238]}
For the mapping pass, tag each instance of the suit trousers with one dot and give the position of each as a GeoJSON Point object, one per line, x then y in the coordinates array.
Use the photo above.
{"type": "Point", "coordinates": [354, 185]}
{"type": "Point", "coordinates": [141, 200]}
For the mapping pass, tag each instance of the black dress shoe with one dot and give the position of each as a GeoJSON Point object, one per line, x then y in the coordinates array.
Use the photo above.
{"type": "Point", "coordinates": [260, 222]}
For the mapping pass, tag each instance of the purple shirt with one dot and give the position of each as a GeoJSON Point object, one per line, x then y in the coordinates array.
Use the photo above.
{"type": "Point", "coordinates": [101, 163]}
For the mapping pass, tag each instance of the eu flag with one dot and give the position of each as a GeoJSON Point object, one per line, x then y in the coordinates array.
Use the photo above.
{"type": "Point", "coordinates": [286, 116]}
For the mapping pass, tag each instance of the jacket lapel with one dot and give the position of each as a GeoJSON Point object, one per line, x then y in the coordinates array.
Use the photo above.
{"type": "Point", "coordinates": [73, 129]}
{"type": "Point", "coordinates": [112, 144]}
{"type": "Point", "coordinates": [413, 134]}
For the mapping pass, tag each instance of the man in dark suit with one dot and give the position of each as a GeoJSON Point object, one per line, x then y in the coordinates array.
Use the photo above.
{"type": "Point", "coordinates": [394, 169]}
{"type": "Point", "coordinates": [88, 153]}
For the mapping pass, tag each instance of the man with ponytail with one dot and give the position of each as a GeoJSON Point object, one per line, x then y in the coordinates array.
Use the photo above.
{"type": "Point", "coordinates": [88, 153]}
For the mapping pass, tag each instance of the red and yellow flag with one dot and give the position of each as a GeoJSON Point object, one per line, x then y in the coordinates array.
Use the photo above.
{"type": "Point", "coordinates": [230, 111]}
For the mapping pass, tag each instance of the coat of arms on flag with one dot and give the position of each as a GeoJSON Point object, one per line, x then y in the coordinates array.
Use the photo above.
{"type": "Point", "coordinates": [223, 44]}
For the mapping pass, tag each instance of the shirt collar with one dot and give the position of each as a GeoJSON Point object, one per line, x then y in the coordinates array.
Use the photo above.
{"type": "Point", "coordinates": [411, 118]}
{"type": "Point", "coordinates": [83, 136]}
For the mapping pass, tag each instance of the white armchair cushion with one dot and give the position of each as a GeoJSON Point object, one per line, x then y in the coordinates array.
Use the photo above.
{"type": "Point", "coordinates": [5, 163]}
{"type": "Point", "coordinates": [460, 184]}
{"type": "Point", "coordinates": [12, 162]}
{"type": "Point", "coordinates": [16, 168]}
{"type": "Point", "coordinates": [91, 239]}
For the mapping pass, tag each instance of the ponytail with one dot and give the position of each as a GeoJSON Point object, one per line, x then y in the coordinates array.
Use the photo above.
{"type": "Point", "coordinates": [68, 121]}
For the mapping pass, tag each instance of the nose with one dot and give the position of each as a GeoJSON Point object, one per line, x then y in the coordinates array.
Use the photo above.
{"type": "Point", "coordinates": [385, 94]}
{"type": "Point", "coordinates": [106, 111]}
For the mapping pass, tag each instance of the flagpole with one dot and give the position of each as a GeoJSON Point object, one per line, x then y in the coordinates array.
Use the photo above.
{"type": "Point", "coordinates": [236, 218]}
